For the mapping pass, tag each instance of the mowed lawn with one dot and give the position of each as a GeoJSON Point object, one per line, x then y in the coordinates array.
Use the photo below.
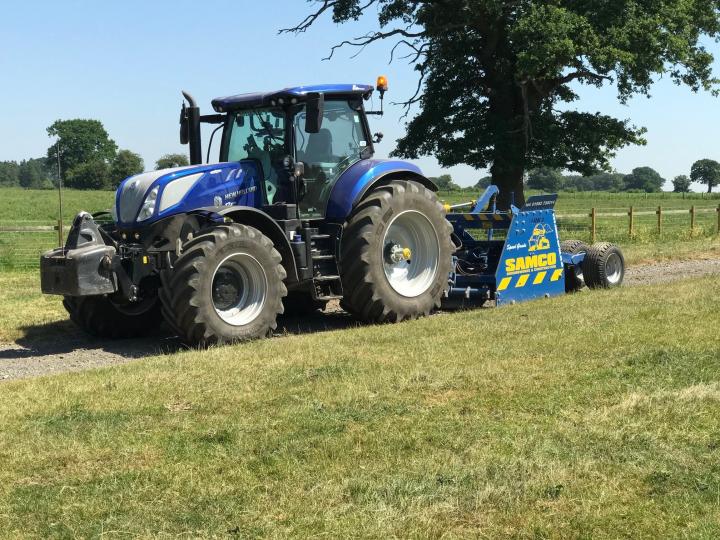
{"type": "Point", "coordinates": [588, 416]}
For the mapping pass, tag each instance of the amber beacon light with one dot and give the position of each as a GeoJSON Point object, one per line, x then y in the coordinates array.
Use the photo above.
{"type": "Point", "coordinates": [382, 83]}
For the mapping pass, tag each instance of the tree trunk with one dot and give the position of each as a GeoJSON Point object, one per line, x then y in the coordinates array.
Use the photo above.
{"type": "Point", "coordinates": [507, 116]}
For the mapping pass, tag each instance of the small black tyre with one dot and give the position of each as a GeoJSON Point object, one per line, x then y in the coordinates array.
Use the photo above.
{"type": "Point", "coordinates": [604, 266]}
{"type": "Point", "coordinates": [395, 254]}
{"type": "Point", "coordinates": [574, 276]}
{"type": "Point", "coordinates": [226, 286]}
{"type": "Point", "coordinates": [100, 317]}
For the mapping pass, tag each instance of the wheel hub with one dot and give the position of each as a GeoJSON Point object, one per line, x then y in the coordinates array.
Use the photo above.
{"type": "Point", "coordinates": [226, 290]}
{"type": "Point", "coordinates": [239, 289]}
{"type": "Point", "coordinates": [411, 253]}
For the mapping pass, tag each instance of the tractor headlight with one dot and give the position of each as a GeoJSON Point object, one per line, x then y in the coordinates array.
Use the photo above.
{"type": "Point", "coordinates": [148, 208]}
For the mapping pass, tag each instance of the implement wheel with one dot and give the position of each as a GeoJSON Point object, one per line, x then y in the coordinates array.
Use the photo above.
{"type": "Point", "coordinates": [396, 254]}
{"type": "Point", "coordinates": [100, 317]}
{"type": "Point", "coordinates": [574, 277]}
{"type": "Point", "coordinates": [226, 286]}
{"type": "Point", "coordinates": [604, 266]}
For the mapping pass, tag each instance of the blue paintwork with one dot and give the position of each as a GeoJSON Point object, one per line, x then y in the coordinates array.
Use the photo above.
{"type": "Point", "coordinates": [353, 182]}
{"type": "Point", "coordinates": [257, 99]}
{"type": "Point", "coordinates": [527, 265]}
{"type": "Point", "coordinates": [531, 258]}
{"type": "Point", "coordinates": [237, 183]}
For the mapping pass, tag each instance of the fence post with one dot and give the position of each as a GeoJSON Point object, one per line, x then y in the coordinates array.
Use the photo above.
{"type": "Point", "coordinates": [659, 215]}
{"type": "Point", "coordinates": [631, 230]}
{"type": "Point", "coordinates": [60, 232]}
{"type": "Point", "coordinates": [718, 224]}
{"type": "Point", "coordinates": [692, 219]}
{"type": "Point", "coordinates": [593, 225]}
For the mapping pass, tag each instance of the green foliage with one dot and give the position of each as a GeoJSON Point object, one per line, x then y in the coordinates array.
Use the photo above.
{"type": "Point", "coordinates": [681, 184]}
{"type": "Point", "coordinates": [545, 179]}
{"type": "Point", "coordinates": [33, 174]}
{"type": "Point", "coordinates": [125, 163]}
{"type": "Point", "coordinates": [169, 161]}
{"type": "Point", "coordinates": [706, 171]}
{"type": "Point", "coordinates": [9, 174]}
{"type": "Point", "coordinates": [498, 77]}
{"type": "Point", "coordinates": [484, 182]}
{"type": "Point", "coordinates": [81, 142]}
{"type": "Point", "coordinates": [644, 179]}
{"type": "Point", "coordinates": [444, 182]}
{"type": "Point", "coordinates": [89, 175]}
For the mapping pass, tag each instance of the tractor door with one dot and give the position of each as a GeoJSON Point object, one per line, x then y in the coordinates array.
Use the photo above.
{"type": "Point", "coordinates": [340, 143]}
{"type": "Point", "coordinates": [259, 134]}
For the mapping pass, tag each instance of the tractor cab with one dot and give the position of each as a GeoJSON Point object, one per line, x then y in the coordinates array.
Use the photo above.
{"type": "Point", "coordinates": [301, 140]}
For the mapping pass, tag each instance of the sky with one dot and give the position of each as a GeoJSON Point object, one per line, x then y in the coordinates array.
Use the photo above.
{"type": "Point", "coordinates": [125, 63]}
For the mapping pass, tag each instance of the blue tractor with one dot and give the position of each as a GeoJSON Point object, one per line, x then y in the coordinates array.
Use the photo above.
{"type": "Point", "coordinates": [295, 213]}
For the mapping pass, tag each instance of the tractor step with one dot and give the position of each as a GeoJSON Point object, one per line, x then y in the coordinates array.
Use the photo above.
{"type": "Point", "coordinates": [326, 278]}
{"type": "Point", "coordinates": [322, 257]}
{"type": "Point", "coordinates": [331, 297]}
{"type": "Point", "coordinates": [320, 237]}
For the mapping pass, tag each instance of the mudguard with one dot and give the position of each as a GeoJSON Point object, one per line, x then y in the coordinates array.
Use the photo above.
{"type": "Point", "coordinates": [360, 177]}
{"type": "Point", "coordinates": [531, 265]}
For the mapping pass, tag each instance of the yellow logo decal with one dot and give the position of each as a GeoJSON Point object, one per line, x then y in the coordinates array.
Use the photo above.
{"type": "Point", "coordinates": [538, 240]}
{"type": "Point", "coordinates": [531, 262]}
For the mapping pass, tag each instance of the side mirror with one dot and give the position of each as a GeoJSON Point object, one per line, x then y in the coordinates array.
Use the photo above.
{"type": "Point", "coordinates": [314, 107]}
{"type": "Point", "coordinates": [184, 129]}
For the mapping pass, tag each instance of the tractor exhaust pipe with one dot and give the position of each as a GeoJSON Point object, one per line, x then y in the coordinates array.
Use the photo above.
{"type": "Point", "coordinates": [190, 128]}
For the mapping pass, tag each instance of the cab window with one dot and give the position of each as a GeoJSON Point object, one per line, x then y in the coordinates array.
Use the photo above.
{"type": "Point", "coordinates": [260, 134]}
{"type": "Point", "coordinates": [328, 153]}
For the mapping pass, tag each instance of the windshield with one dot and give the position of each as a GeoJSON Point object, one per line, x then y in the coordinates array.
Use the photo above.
{"type": "Point", "coordinates": [260, 134]}
{"type": "Point", "coordinates": [328, 153]}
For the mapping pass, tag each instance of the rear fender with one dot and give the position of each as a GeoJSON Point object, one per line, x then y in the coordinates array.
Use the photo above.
{"type": "Point", "coordinates": [258, 219]}
{"type": "Point", "coordinates": [365, 176]}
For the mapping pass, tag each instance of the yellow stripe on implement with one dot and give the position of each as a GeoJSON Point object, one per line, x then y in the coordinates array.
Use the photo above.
{"type": "Point", "coordinates": [539, 278]}
{"type": "Point", "coordinates": [522, 280]}
{"type": "Point", "coordinates": [557, 275]}
{"type": "Point", "coordinates": [504, 284]}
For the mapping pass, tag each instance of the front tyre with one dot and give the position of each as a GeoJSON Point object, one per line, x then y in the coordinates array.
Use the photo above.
{"type": "Point", "coordinates": [226, 286]}
{"type": "Point", "coordinates": [101, 317]}
{"type": "Point", "coordinates": [396, 254]}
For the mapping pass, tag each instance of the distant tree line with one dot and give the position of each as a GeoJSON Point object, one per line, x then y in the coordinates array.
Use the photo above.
{"type": "Point", "coordinates": [640, 180]}
{"type": "Point", "coordinates": [89, 159]}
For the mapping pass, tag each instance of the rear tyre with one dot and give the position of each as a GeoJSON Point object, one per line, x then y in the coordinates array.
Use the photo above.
{"type": "Point", "coordinates": [226, 286]}
{"type": "Point", "coordinates": [100, 317]}
{"type": "Point", "coordinates": [396, 254]}
{"type": "Point", "coordinates": [604, 266]}
{"type": "Point", "coordinates": [574, 276]}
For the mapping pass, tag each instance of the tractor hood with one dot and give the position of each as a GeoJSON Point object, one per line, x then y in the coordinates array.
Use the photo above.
{"type": "Point", "coordinates": [154, 195]}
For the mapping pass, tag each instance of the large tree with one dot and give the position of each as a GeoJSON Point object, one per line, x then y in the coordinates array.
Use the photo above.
{"type": "Point", "coordinates": [706, 171]}
{"type": "Point", "coordinates": [125, 163]}
{"type": "Point", "coordinates": [644, 179]}
{"type": "Point", "coordinates": [496, 76]}
{"type": "Point", "coordinates": [169, 161]}
{"type": "Point", "coordinates": [81, 141]}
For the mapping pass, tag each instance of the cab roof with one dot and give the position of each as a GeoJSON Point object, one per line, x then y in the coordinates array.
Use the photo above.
{"type": "Point", "coordinates": [260, 99]}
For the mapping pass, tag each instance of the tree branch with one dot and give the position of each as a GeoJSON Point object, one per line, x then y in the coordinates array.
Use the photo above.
{"type": "Point", "coordinates": [367, 39]}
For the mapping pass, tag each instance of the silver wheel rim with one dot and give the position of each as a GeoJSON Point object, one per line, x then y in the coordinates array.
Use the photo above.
{"type": "Point", "coordinates": [614, 269]}
{"type": "Point", "coordinates": [239, 289]}
{"type": "Point", "coordinates": [410, 252]}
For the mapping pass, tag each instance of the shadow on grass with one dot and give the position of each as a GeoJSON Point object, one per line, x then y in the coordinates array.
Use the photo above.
{"type": "Point", "coordinates": [63, 337]}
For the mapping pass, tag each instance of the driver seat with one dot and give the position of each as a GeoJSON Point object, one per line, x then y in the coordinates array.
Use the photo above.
{"type": "Point", "coordinates": [319, 147]}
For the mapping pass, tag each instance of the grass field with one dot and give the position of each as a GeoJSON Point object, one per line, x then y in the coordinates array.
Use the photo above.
{"type": "Point", "coordinates": [29, 208]}
{"type": "Point", "coordinates": [484, 424]}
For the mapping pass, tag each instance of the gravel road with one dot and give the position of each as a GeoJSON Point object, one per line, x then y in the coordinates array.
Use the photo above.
{"type": "Point", "coordinates": [40, 352]}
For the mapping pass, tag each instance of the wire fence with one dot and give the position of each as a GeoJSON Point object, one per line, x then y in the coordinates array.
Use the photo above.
{"type": "Point", "coordinates": [22, 242]}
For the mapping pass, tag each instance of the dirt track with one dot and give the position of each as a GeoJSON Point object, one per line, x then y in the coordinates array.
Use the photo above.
{"type": "Point", "coordinates": [40, 352]}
